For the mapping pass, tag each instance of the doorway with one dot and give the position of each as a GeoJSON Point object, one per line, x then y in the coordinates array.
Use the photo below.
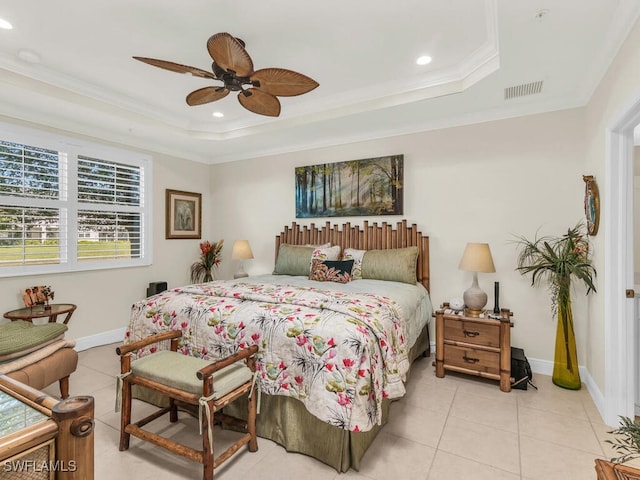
{"type": "Point", "coordinates": [619, 325]}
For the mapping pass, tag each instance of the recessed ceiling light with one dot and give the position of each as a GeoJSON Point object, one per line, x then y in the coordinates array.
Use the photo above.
{"type": "Point", "coordinates": [5, 25]}
{"type": "Point", "coordinates": [423, 60]}
{"type": "Point", "coordinates": [218, 114]}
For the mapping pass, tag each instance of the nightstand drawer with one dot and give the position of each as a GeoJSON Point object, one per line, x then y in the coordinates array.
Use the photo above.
{"type": "Point", "coordinates": [476, 333]}
{"type": "Point", "coordinates": [473, 359]}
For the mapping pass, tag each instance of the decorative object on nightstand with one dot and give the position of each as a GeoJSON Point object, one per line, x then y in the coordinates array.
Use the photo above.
{"type": "Point", "coordinates": [241, 251]}
{"type": "Point", "coordinates": [456, 304]}
{"type": "Point", "coordinates": [476, 258]}
{"type": "Point", "coordinates": [557, 260]}
{"type": "Point", "coordinates": [478, 346]}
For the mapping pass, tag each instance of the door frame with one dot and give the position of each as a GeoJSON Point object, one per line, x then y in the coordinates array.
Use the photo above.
{"type": "Point", "coordinates": [619, 325]}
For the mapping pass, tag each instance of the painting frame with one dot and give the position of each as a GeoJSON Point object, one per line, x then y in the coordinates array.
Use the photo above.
{"type": "Point", "coordinates": [591, 204]}
{"type": "Point", "coordinates": [183, 214]}
{"type": "Point", "coordinates": [365, 187]}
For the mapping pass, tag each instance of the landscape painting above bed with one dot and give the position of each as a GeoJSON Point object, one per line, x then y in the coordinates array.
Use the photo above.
{"type": "Point", "coordinates": [372, 186]}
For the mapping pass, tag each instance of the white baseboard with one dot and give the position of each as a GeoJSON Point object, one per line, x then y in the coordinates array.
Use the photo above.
{"type": "Point", "coordinates": [104, 338]}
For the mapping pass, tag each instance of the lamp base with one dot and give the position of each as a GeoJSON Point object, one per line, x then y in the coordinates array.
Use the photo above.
{"type": "Point", "coordinates": [474, 298]}
{"type": "Point", "coordinates": [472, 312]}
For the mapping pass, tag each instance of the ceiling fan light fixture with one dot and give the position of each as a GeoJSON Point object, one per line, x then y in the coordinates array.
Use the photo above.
{"type": "Point", "coordinates": [232, 65]}
{"type": "Point", "coordinates": [423, 60]}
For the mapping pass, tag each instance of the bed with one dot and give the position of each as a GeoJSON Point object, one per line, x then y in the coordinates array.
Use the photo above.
{"type": "Point", "coordinates": [334, 350]}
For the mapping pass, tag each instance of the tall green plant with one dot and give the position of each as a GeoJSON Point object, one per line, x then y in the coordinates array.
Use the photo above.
{"type": "Point", "coordinates": [556, 260]}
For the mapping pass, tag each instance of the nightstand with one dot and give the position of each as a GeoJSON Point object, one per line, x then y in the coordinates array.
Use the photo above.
{"type": "Point", "coordinates": [478, 346]}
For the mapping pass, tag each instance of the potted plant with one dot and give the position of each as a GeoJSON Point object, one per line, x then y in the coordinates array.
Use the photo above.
{"type": "Point", "coordinates": [627, 445]}
{"type": "Point", "coordinates": [558, 260]}
{"type": "Point", "coordinates": [210, 258]}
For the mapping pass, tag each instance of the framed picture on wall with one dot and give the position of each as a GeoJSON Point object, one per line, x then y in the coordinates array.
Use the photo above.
{"type": "Point", "coordinates": [184, 214]}
{"type": "Point", "coordinates": [371, 186]}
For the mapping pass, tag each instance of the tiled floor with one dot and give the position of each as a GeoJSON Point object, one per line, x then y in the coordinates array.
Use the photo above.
{"type": "Point", "coordinates": [457, 427]}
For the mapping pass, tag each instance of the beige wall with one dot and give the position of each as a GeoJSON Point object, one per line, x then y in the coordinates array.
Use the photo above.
{"type": "Point", "coordinates": [484, 182]}
{"type": "Point", "coordinates": [104, 297]}
{"type": "Point", "coordinates": [620, 84]}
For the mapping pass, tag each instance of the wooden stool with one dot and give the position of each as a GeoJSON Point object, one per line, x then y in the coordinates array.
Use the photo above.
{"type": "Point", "coordinates": [193, 381]}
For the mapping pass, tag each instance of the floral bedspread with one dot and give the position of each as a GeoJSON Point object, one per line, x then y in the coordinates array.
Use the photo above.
{"type": "Point", "coordinates": [338, 353]}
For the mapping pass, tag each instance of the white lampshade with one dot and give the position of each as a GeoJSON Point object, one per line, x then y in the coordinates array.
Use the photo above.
{"type": "Point", "coordinates": [241, 251]}
{"type": "Point", "coordinates": [476, 258]}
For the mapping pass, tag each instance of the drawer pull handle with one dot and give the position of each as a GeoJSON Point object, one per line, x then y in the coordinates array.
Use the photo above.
{"type": "Point", "coordinates": [469, 333]}
{"type": "Point", "coordinates": [470, 359]}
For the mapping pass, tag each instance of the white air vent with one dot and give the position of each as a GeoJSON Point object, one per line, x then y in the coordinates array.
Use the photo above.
{"type": "Point", "coordinates": [522, 90]}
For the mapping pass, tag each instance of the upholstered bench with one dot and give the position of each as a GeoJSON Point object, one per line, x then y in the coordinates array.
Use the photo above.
{"type": "Point", "coordinates": [37, 355]}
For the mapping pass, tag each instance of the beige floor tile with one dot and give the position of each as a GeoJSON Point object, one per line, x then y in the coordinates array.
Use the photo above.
{"type": "Point", "coordinates": [452, 467]}
{"type": "Point", "coordinates": [550, 461]}
{"type": "Point", "coordinates": [552, 398]}
{"type": "Point", "coordinates": [496, 412]}
{"type": "Point", "coordinates": [456, 427]}
{"type": "Point", "coordinates": [483, 444]}
{"type": "Point", "coordinates": [559, 429]}
{"type": "Point", "coordinates": [391, 457]}
{"type": "Point", "coordinates": [414, 423]}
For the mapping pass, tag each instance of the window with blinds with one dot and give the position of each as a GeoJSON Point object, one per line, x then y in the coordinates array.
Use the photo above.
{"type": "Point", "coordinates": [62, 209]}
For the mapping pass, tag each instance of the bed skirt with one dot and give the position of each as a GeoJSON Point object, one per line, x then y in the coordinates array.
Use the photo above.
{"type": "Point", "coordinates": [339, 448]}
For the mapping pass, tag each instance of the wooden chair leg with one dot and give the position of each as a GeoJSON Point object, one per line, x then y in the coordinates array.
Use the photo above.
{"type": "Point", "coordinates": [207, 447]}
{"type": "Point", "coordinates": [64, 387]}
{"type": "Point", "coordinates": [173, 411]}
{"type": "Point", "coordinates": [251, 422]}
{"type": "Point", "coordinates": [125, 415]}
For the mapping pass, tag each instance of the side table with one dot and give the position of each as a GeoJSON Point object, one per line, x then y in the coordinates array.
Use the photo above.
{"type": "Point", "coordinates": [42, 311]}
{"type": "Point", "coordinates": [474, 345]}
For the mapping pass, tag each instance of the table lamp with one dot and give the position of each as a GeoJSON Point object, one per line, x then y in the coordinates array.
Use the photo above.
{"type": "Point", "coordinates": [476, 258]}
{"type": "Point", "coordinates": [241, 251]}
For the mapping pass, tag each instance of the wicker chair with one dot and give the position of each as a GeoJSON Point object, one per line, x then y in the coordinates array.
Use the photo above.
{"type": "Point", "coordinates": [191, 382]}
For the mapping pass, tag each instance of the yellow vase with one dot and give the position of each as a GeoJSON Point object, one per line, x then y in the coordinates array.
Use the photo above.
{"type": "Point", "coordinates": [565, 367]}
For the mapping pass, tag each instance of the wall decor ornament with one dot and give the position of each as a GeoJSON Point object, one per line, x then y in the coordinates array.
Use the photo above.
{"type": "Point", "coordinates": [372, 186]}
{"type": "Point", "coordinates": [591, 204]}
{"type": "Point", "coordinates": [184, 214]}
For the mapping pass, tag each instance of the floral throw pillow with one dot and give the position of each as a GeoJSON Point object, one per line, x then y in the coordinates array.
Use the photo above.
{"type": "Point", "coordinates": [331, 271]}
{"type": "Point", "coordinates": [356, 256]}
{"type": "Point", "coordinates": [325, 253]}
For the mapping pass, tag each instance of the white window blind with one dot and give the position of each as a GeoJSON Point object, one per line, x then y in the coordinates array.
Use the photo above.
{"type": "Point", "coordinates": [54, 190]}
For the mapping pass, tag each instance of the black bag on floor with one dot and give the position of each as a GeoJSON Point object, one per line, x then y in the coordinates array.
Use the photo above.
{"type": "Point", "coordinates": [520, 370]}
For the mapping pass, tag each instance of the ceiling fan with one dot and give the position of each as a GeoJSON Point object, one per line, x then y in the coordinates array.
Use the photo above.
{"type": "Point", "coordinates": [257, 90]}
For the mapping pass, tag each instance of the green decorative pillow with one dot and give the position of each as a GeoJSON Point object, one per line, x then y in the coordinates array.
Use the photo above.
{"type": "Point", "coordinates": [293, 260]}
{"type": "Point", "coordinates": [395, 265]}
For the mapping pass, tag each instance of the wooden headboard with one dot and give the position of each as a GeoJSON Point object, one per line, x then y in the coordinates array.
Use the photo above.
{"type": "Point", "coordinates": [369, 237]}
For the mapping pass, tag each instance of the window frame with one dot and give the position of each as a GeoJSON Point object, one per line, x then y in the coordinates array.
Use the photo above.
{"type": "Point", "coordinates": [74, 147]}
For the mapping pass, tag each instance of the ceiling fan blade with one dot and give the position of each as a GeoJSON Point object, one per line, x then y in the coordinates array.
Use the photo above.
{"type": "Point", "coordinates": [206, 95]}
{"type": "Point", "coordinates": [259, 102]}
{"type": "Point", "coordinates": [228, 53]}
{"type": "Point", "coordinates": [177, 67]}
{"type": "Point", "coordinates": [283, 82]}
